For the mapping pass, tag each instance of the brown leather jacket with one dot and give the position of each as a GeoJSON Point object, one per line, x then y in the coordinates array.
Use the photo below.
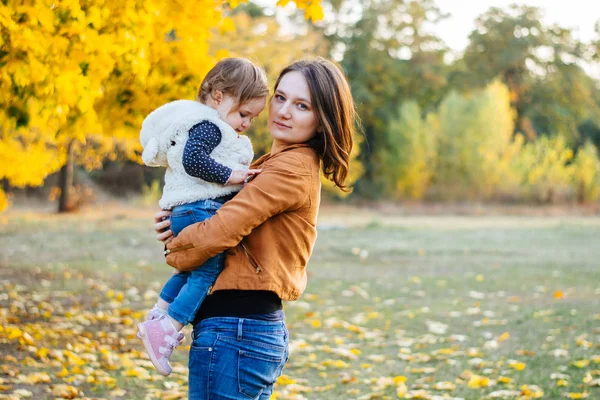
{"type": "Point", "coordinates": [268, 228]}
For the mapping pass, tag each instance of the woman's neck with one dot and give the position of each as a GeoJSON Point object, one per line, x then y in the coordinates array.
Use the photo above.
{"type": "Point", "coordinates": [276, 147]}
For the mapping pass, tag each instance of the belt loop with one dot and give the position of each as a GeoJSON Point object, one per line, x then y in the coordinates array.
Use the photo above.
{"type": "Point", "coordinates": [239, 330]}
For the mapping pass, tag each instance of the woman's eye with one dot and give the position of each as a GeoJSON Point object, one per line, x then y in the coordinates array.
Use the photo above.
{"type": "Point", "coordinates": [302, 106]}
{"type": "Point", "coordinates": [280, 97]}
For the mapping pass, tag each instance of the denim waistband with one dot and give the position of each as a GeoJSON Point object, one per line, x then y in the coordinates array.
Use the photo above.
{"type": "Point", "coordinates": [235, 324]}
{"type": "Point", "coordinates": [202, 203]}
{"type": "Point", "coordinates": [223, 199]}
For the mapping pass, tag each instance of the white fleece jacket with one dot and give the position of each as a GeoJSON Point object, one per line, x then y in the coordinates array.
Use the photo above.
{"type": "Point", "coordinates": [163, 136]}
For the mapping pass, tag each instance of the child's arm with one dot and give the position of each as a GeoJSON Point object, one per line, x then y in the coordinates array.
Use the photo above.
{"type": "Point", "coordinates": [197, 162]}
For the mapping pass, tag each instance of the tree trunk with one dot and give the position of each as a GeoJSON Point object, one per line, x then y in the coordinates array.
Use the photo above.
{"type": "Point", "coordinates": [66, 181]}
{"type": "Point", "coordinates": [5, 186]}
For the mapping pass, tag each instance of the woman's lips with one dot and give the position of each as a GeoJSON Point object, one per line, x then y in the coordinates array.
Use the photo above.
{"type": "Point", "coordinates": [281, 125]}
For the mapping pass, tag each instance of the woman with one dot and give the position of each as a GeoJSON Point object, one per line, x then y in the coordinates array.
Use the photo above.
{"type": "Point", "coordinates": [240, 341]}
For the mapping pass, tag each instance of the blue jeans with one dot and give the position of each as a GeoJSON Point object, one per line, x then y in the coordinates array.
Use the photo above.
{"type": "Point", "coordinates": [187, 290]}
{"type": "Point", "coordinates": [236, 358]}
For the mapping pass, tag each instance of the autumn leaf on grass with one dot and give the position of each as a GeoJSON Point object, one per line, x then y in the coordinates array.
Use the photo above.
{"type": "Point", "coordinates": [444, 386]}
{"type": "Point", "coordinates": [580, 363]}
{"type": "Point", "coordinates": [117, 392]}
{"type": "Point", "coordinates": [505, 336]}
{"type": "Point", "coordinates": [517, 365]}
{"type": "Point", "coordinates": [478, 382]}
{"type": "Point", "coordinates": [572, 395]}
{"type": "Point", "coordinates": [532, 391]}
{"type": "Point", "coordinates": [65, 391]}
{"type": "Point", "coordinates": [401, 390]}
{"type": "Point", "coordinates": [20, 393]}
{"type": "Point", "coordinates": [285, 380]}
{"type": "Point", "coordinates": [504, 394]}
{"type": "Point", "coordinates": [438, 328]}
{"type": "Point", "coordinates": [36, 377]}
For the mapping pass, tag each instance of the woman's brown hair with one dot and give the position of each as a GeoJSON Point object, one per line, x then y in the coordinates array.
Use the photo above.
{"type": "Point", "coordinates": [332, 101]}
{"type": "Point", "coordinates": [237, 77]}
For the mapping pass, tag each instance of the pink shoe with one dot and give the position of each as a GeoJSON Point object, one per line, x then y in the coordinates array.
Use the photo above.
{"type": "Point", "coordinates": [155, 313]}
{"type": "Point", "coordinates": [160, 338]}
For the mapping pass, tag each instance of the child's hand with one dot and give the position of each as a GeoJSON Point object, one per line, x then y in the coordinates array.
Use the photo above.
{"type": "Point", "coordinates": [239, 177]}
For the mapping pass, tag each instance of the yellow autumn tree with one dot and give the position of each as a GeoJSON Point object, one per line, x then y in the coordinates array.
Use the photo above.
{"type": "Point", "coordinates": [79, 76]}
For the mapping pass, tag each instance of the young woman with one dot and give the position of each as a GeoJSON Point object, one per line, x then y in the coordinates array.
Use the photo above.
{"type": "Point", "coordinates": [240, 341]}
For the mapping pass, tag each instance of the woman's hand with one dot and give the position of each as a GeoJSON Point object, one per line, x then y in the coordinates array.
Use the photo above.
{"type": "Point", "coordinates": [240, 177]}
{"type": "Point", "coordinates": [162, 225]}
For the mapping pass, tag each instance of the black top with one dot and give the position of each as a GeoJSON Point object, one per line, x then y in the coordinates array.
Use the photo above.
{"type": "Point", "coordinates": [203, 138]}
{"type": "Point", "coordinates": [238, 303]}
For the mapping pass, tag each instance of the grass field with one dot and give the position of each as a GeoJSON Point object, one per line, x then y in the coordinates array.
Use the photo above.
{"type": "Point", "coordinates": [428, 307]}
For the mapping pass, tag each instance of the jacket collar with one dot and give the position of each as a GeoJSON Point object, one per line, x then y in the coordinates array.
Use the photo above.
{"type": "Point", "coordinates": [286, 148]}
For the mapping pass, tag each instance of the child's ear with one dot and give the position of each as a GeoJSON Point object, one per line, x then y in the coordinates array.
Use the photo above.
{"type": "Point", "coordinates": [217, 96]}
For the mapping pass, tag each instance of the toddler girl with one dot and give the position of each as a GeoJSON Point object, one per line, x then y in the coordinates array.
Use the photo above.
{"type": "Point", "coordinates": [207, 163]}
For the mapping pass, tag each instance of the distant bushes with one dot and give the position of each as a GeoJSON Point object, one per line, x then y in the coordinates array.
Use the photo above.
{"type": "Point", "coordinates": [466, 150]}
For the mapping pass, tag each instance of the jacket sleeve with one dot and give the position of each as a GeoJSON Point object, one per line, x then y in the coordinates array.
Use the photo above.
{"type": "Point", "coordinates": [281, 186]}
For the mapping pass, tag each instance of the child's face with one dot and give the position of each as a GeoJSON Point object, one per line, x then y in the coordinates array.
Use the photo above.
{"type": "Point", "coordinates": [240, 118]}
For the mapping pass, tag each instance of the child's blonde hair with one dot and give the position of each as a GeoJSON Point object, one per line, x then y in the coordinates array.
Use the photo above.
{"type": "Point", "coordinates": [239, 78]}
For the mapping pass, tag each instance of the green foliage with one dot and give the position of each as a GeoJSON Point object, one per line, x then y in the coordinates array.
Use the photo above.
{"type": "Point", "coordinates": [501, 44]}
{"type": "Point", "coordinates": [539, 64]}
{"type": "Point", "coordinates": [561, 101]}
{"type": "Point", "coordinates": [545, 169]}
{"type": "Point", "coordinates": [474, 142]}
{"type": "Point", "coordinates": [586, 173]}
{"type": "Point", "coordinates": [376, 51]}
{"type": "Point", "coordinates": [410, 155]}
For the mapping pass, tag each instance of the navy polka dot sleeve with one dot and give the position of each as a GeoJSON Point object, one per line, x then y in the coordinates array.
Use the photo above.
{"type": "Point", "coordinates": [197, 162]}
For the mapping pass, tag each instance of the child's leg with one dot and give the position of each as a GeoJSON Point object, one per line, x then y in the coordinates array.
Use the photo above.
{"type": "Point", "coordinates": [172, 288]}
{"type": "Point", "coordinates": [185, 306]}
{"type": "Point", "coordinates": [184, 291]}
{"type": "Point", "coordinates": [181, 217]}
{"type": "Point", "coordinates": [183, 309]}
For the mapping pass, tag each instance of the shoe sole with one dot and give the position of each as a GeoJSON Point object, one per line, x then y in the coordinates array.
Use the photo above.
{"type": "Point", "coordinates": [148, 347]}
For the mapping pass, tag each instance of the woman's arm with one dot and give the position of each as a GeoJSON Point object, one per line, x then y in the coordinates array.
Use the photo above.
{"type": "Point", "coordinates": [282, 185]}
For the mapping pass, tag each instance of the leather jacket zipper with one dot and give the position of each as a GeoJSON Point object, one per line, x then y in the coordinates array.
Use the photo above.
{"type": "Point", "coordinates": [255, 265]}
{"type": "Point", "coordinates": [176, 249]}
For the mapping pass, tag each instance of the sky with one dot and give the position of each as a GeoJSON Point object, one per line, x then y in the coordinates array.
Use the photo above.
{"type": "Point", "coordinates": [579, 15]}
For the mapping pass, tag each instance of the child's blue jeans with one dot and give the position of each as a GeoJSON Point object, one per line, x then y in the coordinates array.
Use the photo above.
{"type": "Point", "coordinates": [187, 290]}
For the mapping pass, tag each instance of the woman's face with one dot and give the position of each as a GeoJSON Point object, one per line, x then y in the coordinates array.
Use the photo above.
{"type": "Point", "coordinates": [292, 118]}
